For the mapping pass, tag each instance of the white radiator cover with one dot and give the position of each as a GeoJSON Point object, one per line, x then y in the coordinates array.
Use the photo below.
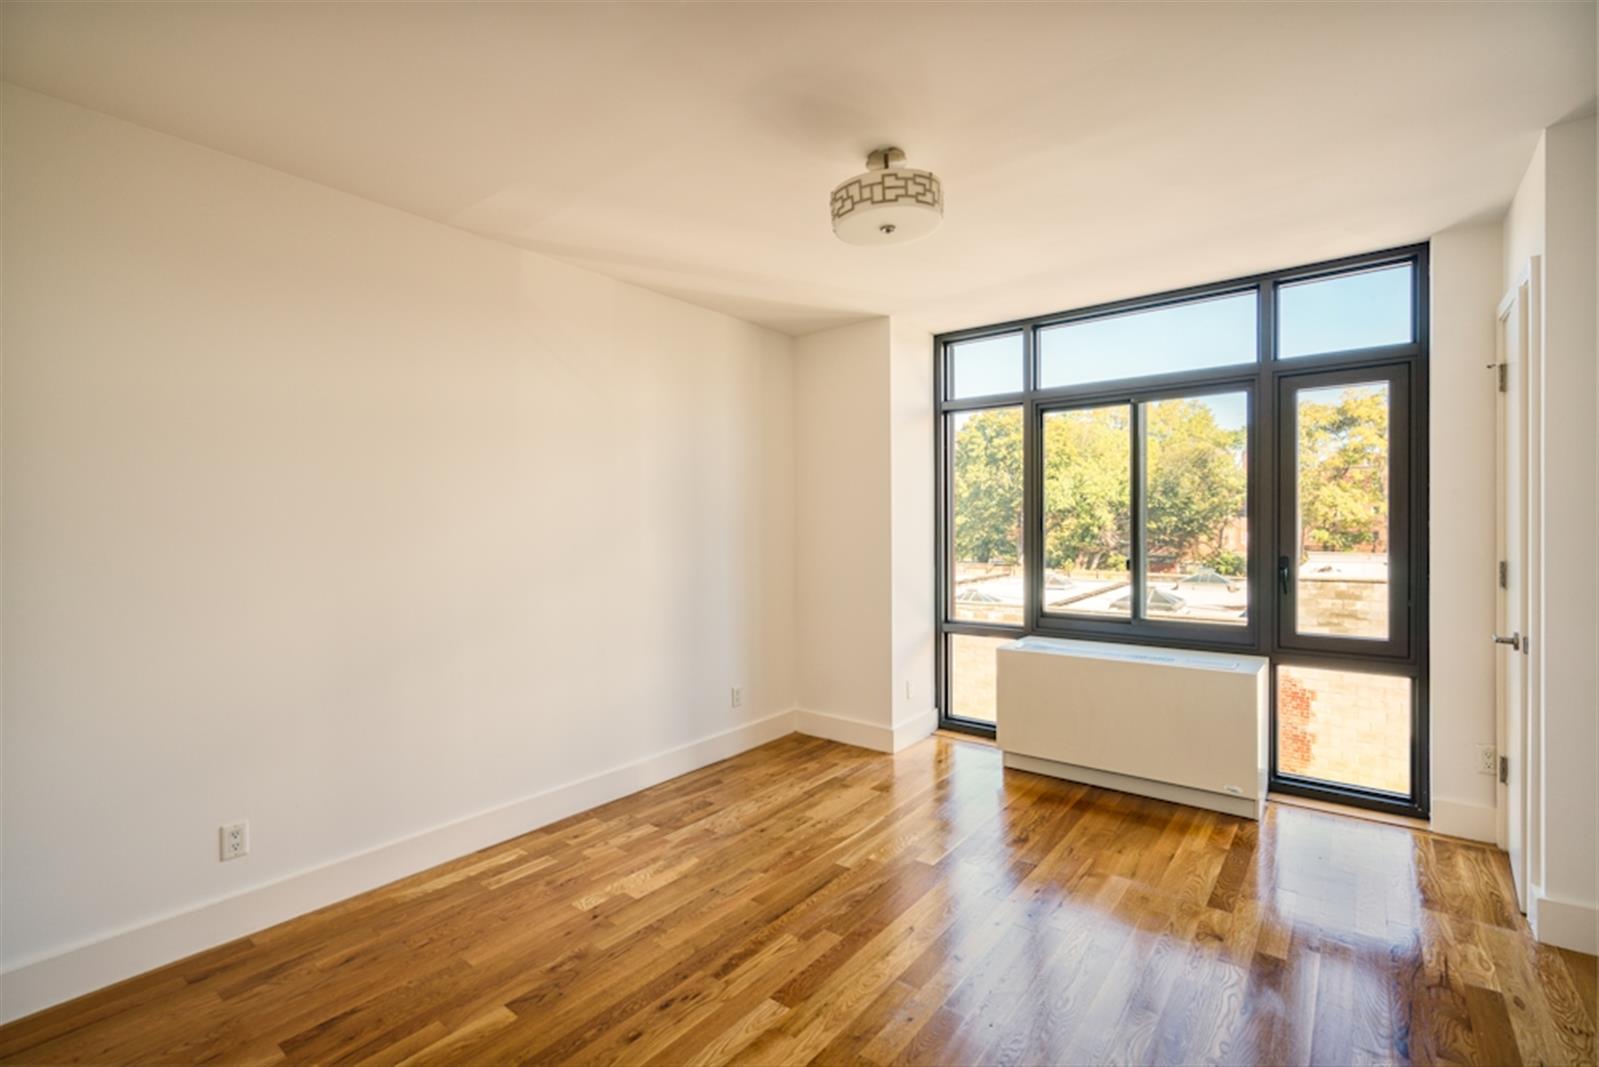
{"type": "Point", "coordinates": [1184, 726]}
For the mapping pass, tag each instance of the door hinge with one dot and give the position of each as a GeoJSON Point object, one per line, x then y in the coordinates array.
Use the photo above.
{"type": "Point", "coordinates": [1504, 574]}
{"type": "Point", "coordinates": [1504, 377]}
{"type": "Point", "coordinates": [1504, 770]}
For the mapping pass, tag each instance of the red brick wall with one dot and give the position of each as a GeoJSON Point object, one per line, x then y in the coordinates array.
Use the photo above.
{"type": "Point", "coordinates": [1295, 718]}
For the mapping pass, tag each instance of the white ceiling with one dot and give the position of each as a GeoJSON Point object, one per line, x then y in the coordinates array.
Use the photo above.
{"type": "Point", "coordinates": [1087, 152]}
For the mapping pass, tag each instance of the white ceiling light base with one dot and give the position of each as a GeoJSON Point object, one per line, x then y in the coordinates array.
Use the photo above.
{"type": "Point", "coordinates": [888, 204]}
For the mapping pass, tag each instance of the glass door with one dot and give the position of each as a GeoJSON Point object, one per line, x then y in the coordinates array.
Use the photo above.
{"type": "Point", "coordinates": [1343, 566]}
{"type": "Point", "coordinates": [1346, 702]}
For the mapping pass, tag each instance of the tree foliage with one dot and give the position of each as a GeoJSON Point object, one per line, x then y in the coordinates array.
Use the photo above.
{"type": "Point", "coordinates": [1343, 472]}
{"type": "Point", "coordinates": [1087, 464]}
{"type": "Point", "coordinates": [1196, 486]}
{"type": "Point", "coordinates": [988, 486]}
{"type": "Point", "coordinates": [1196, 483]}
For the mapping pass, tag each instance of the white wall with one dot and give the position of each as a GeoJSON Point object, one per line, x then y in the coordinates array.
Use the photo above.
{"type": "Point", "coordinates": [843, 538]}
{"type": "Point", "coordinates": [1524, 221]}
{"type": "Point", "coordinates": [1568, 911]}
{"type": "Point", "coordinates": [1523, 242]}
{"type": "Point", "coordinates": [1466, 286]}
{"type": "Point", "coordinates": [864, 550]}
{"type": "Point", "coordinates": [352, 525]}
{"type": "Point", "coordinates": [1553, 216]}
{"type": "Point", "coordinates": [911, 423]}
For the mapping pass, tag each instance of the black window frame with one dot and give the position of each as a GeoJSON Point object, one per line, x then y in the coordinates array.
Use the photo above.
{"type": "Point", "coordinates": [1266, 381]}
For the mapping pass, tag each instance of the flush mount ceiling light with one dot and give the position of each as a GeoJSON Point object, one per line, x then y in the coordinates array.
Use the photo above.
{"type": "Point", "coordinates": [889, 204]}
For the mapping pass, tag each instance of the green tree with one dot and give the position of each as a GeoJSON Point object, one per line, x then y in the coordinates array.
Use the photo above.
{"type": "Point", "coordinates": [1343, 471]}
{"type": "Point", "coordinates": [1087, 463]}
{"type": "Point", "coordinates": [1197, 484]}
{"type": "Point", "coordinates": [988, 486]}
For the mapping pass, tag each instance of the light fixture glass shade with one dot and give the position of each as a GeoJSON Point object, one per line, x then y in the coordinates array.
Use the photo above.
{"type": "Point", "coordinates": [888, 204]}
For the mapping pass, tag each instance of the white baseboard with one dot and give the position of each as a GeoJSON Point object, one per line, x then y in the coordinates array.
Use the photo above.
{"type": "Point", "coordinates": [1474, 822]}
{"type": "Point", "coordinates": [844, 730]}
{"type": "Point", "coordinates": [914, 727]}
{"type": "Point", "coordinates": [862, 734]}
{"type": "Point", "coordinates": [33, 985]}
{"type": "Point", "coordinates": [1567, 923]}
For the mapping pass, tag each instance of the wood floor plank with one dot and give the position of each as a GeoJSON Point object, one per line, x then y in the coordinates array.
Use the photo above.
{"type": "Point", "coordinates": [813, 903]}
{"type": "Point", "coordinates": [1585, 979]}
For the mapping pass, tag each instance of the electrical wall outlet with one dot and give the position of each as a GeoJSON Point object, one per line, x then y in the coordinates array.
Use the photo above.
{"type": "Point", "coordinates": [738, 696]}
{"type": "Point", "coordinates": [235, 840]}
{"type": "Point", "coordinates": [1487, 759]}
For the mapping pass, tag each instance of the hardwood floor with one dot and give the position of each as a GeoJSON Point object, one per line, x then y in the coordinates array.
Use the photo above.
{"type": "Point", "coordinates": [808, 902]}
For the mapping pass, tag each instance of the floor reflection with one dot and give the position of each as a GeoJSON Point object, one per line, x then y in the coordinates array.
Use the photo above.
{"type": "Point", "coordinates": [1179, 935]}
{"type": "Point", "coordinates": [810, 902]}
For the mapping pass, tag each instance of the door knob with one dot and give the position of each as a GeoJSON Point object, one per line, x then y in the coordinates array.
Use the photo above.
{"type": "Point", "coordinates": [1514, 641]}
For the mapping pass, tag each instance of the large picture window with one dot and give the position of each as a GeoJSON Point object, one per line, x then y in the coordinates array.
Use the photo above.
{"type": "Point", "coordinates": [1238, 466]}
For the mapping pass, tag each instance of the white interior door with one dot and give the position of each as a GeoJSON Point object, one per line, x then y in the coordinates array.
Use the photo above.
{"type": "Point", "coordinates": [1510, 633]}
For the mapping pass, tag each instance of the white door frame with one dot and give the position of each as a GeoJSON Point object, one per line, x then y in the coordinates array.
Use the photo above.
{"type": "Point", "coordinates": [1518, 464]}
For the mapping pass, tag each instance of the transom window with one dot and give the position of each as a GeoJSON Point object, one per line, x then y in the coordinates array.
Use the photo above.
{"type": "Point", "coordinates": [1235, 466]}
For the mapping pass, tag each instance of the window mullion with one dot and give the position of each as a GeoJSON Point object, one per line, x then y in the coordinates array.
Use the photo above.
{"type": "Point", "coordinates": [1032, 514]}
{"type": "Point", "coordinates": [1137, 562]}
{"type": "Point", "coordinates": [1266, 323]}
{"type": "Point", "coordinates": [1032, 488]}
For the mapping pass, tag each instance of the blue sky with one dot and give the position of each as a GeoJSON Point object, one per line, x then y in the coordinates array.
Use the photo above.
{"type": "Point", "coordinates": [1230, 410]}
{"type": "Point", "coordinates": [991, 365]}
{"type": "Point", "coordinates": [1210, 333]}
{"type": "Point", "coordinates": [1350, 311]}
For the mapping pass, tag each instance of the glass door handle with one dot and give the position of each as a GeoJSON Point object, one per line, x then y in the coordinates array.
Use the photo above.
{"type": "Point", "coordinates": [1282, 573]}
